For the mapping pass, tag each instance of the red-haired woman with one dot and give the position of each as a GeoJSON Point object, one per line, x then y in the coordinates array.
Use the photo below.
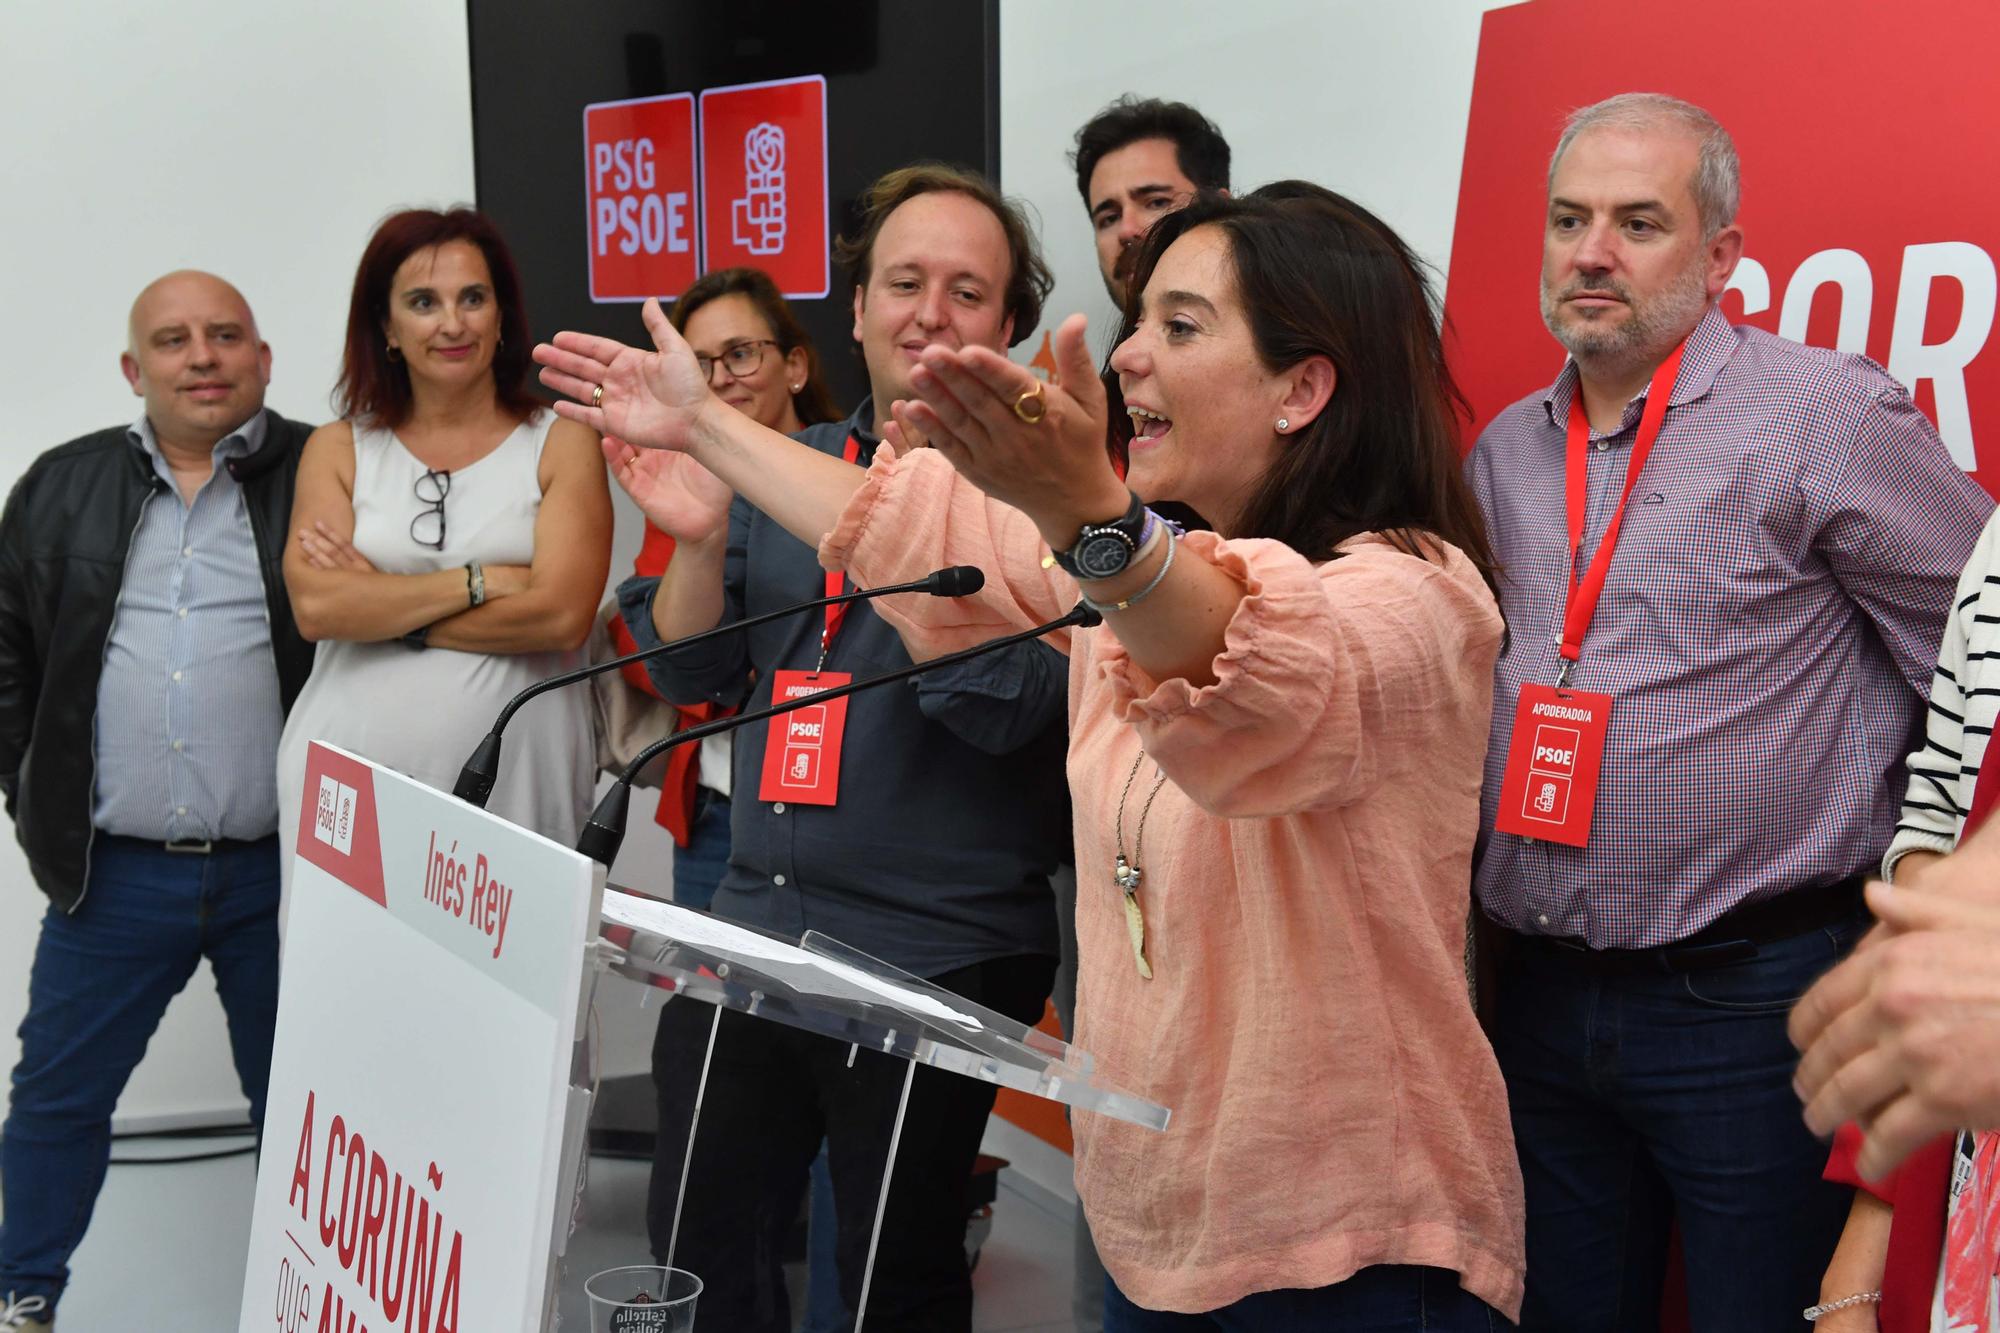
{"type": "Point", "coordinates": [450, 535]}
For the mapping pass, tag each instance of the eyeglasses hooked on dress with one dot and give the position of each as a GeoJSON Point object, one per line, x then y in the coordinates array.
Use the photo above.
{"type": "Point", "coordinates": [740, 360]}
{"type": "Point", "coordinates": [431, 489]}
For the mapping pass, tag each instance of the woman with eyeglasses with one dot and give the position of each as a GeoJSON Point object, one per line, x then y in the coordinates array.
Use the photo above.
{"type": "Point", "coordinates": [759, 360]}
{"type": "Point", "coordinates": [753, 352]}
{"type": "Point", "coordinates": [450, 536]}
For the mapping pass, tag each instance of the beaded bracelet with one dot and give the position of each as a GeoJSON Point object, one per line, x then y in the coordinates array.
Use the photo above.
{"type": "Point", "coordinates": [1859, 1298]}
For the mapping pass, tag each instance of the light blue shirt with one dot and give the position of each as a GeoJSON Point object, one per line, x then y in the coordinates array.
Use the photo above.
{"type": "Point", "coordinates": [188, 710]}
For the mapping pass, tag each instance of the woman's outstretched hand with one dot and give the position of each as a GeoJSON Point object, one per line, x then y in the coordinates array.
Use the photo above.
{"type": "Point", "coordinates": [1035, 446]}
{"type": "Point", "coordinates": [652, 400]}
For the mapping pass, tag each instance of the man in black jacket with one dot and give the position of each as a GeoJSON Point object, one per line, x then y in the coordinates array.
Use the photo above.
{"type": "Point", "coordinates": [147, 657]}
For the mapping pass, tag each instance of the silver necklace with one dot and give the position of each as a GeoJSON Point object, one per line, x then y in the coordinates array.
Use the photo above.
{"type": "Point", "coordinates": [1125, 872]}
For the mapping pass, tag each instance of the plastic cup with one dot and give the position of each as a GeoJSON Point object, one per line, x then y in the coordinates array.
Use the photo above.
{"type": "Point", "coordinates": [643, 1298]}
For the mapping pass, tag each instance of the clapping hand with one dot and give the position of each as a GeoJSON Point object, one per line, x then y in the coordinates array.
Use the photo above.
{"type": "Point", "coordinates": [679, 496]}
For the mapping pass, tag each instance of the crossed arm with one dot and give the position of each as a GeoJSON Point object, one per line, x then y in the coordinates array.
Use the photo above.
{"type": "Point", "coordinates": [545, 605]}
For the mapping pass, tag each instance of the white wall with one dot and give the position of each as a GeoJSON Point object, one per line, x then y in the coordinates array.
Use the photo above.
{"type": "Point", "coordinates": [261, 141]}
{"type": "Point", "coordinates": [1368, 97]}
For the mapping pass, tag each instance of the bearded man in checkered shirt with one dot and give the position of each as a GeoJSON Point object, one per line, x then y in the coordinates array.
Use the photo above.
{"type": "Point", "coordinates": [1765, 637]}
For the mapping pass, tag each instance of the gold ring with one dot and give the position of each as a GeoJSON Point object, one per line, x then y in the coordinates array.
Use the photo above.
{"type": "Point", "coordinates": [1036, 396]}
{"type": "Point", "coordinates": [597, 396]}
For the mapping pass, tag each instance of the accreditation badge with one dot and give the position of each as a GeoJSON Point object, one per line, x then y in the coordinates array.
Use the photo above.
{"type": "Point", "coordinates": [802, 748]}
{"type": "Point", "coordinates": [1550, 787]}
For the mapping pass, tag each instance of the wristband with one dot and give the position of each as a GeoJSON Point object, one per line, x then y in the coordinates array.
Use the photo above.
{"type": "Point", "coordinates": [1145, 592]}
{"type": "Point", "coordinates": [475, 584]}
{"type": "Point", "coordinates": [1813, 1313]}
{"type": "Point", "coordinates": [420, 637]}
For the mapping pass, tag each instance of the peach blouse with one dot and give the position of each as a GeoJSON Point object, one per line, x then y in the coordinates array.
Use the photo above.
{"type": "Point", "coordinates": [1306, 868]}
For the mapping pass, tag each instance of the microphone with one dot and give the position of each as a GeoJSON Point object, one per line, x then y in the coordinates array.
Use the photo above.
{"type": "Point", "coordinates": [482, 766]}
{"type": "Point", "coordinates": [605, 830]}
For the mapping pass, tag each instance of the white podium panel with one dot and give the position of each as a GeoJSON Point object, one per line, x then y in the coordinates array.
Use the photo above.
{"type": "Point", "coordinates": [415, 1147]}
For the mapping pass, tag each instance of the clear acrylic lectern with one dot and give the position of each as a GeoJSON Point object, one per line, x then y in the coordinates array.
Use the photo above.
{"type": "Point", "coordinates": [822, 986]}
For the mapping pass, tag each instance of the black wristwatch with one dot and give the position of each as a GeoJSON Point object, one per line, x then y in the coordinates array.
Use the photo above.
{"type": "Point", "coordinates": [420, 637]}
{"type": "Point", "coordinates": [1103, 550]}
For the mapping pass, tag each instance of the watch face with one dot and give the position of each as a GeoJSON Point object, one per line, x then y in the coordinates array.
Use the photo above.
{"type": "Point", "coordinates": [1102, 554]}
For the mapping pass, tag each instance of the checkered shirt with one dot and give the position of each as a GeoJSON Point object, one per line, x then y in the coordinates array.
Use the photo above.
{"type": "Point", "coordinates": [1767, 632]}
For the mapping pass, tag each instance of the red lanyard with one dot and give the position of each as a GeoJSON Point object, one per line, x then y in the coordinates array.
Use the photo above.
{"type": "Point", "coordinates": [1585, 591]}
{"type": "Point", "coordinates": [836, 581]}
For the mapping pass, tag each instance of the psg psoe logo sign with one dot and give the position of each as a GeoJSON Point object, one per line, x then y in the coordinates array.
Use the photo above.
{"type": "Point", "coordinates": [666, 203]}
{"type": "Point", "coordinates": [639, 179]}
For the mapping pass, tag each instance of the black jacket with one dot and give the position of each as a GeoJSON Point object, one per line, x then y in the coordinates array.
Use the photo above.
{"type": "Point", "coordinates": [64, 538]}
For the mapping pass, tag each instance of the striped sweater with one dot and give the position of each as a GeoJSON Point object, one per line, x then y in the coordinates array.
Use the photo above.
{"type": "Point", "coordinates": [1965, 698]}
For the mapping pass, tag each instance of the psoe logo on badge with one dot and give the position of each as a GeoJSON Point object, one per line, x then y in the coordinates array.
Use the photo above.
{"type": "Point", "coordinates": [1546, 799]}
{"type": "Point", "coordinates": [805, 735]}
{"type": "Point", "coordinates": [764, 182]}
{"type": "Point", "coordinates": [640, 190]}
{"type": "Point", "coordinates": [333, 814]}
{"type": "Point", "coordinates": [1555, 751]}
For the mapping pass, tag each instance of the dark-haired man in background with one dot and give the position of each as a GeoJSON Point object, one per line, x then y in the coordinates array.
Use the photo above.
{"type": "Point", "coordinates": [1136, 161]}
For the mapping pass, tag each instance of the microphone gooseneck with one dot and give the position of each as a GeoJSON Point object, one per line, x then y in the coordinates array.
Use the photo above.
{"type": "Point", "coordinates": [605, 831]}
{"type": "Point", "coordinates": [482, 766]}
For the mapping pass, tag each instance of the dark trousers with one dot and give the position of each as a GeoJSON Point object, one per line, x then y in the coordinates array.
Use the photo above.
{"type": "Point", "coordinates": [1643, 1098]}
{"type": "Point", "coordinates": [774, 1093]}
{"type": "Point", "coordinates": [101, 980]}
{"type": "Point", "coordinates": [1382, 1299]}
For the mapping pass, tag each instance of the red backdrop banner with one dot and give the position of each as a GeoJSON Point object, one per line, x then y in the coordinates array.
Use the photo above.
{"type": "Point", "coordinates": [1871, 206]}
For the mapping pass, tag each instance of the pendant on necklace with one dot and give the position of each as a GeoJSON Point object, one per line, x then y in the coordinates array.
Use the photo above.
{"type": "Point", "coordinates": [1126, 875]}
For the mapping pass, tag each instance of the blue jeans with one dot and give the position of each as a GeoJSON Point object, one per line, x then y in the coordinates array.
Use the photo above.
{"type": "Point", "coordinates": [1385, 1297]}
{"type": "Point", "coordinates": [101, 981]}
{"type": "Point", "coordinates": [700, 866]}
{"type": "Point", "coordinates": [1640, 1099]}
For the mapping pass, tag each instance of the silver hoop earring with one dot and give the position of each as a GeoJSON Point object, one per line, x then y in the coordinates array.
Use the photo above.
{"type": "Point", "coordinates": [1283, 424]}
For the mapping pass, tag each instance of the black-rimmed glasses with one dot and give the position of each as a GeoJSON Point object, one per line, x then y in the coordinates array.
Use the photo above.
{"type": "Point", "coordinates": [432, 487]}
{"type": "Point", "coordinates": [740, 361]}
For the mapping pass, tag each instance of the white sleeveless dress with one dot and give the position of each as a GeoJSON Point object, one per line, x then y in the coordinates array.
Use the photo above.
{"type": "Point", "coordinates": [420, 711]}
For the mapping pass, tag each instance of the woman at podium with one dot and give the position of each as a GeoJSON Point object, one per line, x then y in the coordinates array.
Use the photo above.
{"type": "Point", "coordinates": [450, 535]}
{"type": "Point", "coordinates": [1276, 741]}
